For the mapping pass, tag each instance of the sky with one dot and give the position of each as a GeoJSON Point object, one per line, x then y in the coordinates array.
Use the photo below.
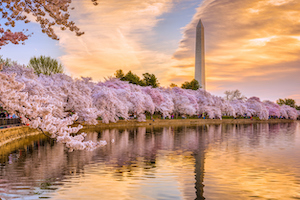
{"type": "Point", "coordinates": [251, 45]}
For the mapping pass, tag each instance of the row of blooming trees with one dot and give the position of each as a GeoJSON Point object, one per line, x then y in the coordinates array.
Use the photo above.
{"type": "Point", "coordinates": [45, 102]}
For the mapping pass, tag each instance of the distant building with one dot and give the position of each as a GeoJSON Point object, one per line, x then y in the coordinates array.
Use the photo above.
{"type": "Point", "coordinates": [200, 55]}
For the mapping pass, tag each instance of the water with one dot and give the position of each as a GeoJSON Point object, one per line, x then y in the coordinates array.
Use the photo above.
{"type": "Point", "coordinates": [255, 161]}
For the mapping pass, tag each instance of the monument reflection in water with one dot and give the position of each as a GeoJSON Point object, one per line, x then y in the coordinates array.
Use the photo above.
{"type": "Point", "coordinates": [204, 162]}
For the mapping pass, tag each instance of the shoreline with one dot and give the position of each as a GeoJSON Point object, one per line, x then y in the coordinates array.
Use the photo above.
{"type": "Point", "coordinates": [10, 135]}
{"type": "Point", "coordinates": [181, 122]}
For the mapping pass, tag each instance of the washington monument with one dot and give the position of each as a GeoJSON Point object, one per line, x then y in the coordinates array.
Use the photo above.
{"type": "Point", "coordinates": [200, 55]}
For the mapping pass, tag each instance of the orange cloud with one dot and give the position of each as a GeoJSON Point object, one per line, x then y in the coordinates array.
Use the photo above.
{"type": "Point", "coordinates": [252, 45]}
{"type": "Point", "coordinates": [115, 34]}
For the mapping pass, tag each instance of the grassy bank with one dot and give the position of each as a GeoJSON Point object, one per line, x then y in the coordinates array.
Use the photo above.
{"type": "Point", "coordinates": [182, 122]}
{"type": "Point", "coordinates": [10, 134]}
{"type": "Point", "coordinates": [17, 137]}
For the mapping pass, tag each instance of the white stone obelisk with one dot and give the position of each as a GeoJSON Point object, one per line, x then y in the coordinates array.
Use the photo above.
{"type": "Point", "coordinates": [200, 55]}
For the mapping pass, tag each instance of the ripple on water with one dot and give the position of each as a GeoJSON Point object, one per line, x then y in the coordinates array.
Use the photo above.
{"type": "Point", "coordinates": [258, 161]}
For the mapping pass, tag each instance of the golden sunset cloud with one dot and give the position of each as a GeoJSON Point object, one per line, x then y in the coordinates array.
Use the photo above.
{"type": "Point", "coordinates": [115, 32]}
{"type": "Point", "coordinates": [253, 45]}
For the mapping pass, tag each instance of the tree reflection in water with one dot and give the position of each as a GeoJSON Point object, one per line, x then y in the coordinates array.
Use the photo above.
{"type": "Point", "coordinates": [42, 167]}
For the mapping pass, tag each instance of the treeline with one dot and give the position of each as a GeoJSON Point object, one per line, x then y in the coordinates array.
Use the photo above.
{"type": "Point", "coordinates": [289, 102]}
{"type": "Point", "coordinates": [232, 95]}
{"type": "Point", "coordinates": [47, 66]}
{"type": "Point", "coordinates": [41, 65]}
{"type": "Point", "coordinates": [151, 80]}
{"type": "Point", "coordinates": [147, 80]}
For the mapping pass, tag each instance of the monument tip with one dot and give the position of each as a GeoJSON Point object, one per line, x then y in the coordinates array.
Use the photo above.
{"type": "Point", "coordinates": [200, 23]}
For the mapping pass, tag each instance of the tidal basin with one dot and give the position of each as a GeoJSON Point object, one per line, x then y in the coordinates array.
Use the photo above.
{"type": "Point", "coordinates": [229, 161]}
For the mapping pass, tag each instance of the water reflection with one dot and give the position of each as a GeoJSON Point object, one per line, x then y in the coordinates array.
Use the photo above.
{"type": "Point", "coordinates": [202, 162]}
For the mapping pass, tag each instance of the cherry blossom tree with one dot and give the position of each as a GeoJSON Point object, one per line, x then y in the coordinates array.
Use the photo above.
{"type": "Point", "coordinates": [7, 36]}
{"type": "Point", "coordinates": [110, 103]}
{"type": "Point", "coordinates": [53, 103]}
{"type": "Point", "coordinates": [288, 112]}
{"type": "Point", "coordinates": [209, 104]}
{"type": "Point", "coordinates": [68, 95]}
{"type": "Point", "coordinates": [256, 107]}
{"type": "Point", "coordinates": [155, 94]}
{"type": "Point", "coordinates": [240, 108]}
{"type": "Point", "coordinates": [47, 13]}
{"type": "Point", "coordinates": [226, 107]}
{"type": "Point", "coordinates": [166, 106]}
{"type": "Point", "coordinates": [141, 102]}
{"type": "Point", "coordinates": [184, 103]}
{"type": "Point", "coordinates": [40, 111]}
{"type": "Point", "coordinates": [273, 108]}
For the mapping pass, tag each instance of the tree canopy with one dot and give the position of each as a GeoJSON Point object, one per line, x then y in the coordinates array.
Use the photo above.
{"type": "Point", "coordinates": [47, 13]}
{"type": "Point", "coordinates": [193, 85]}
{"type": "Point", "coordinates": [173, 85]}
{"type": "Point", "coordinates": [7, 61]}
{"type": "Point", "coordinates": [132, 78]}
{"type": "Point", "coordinates": [234, 95]}
{"type": "Point", "coordinates": [289, 102]}
{"type": "Point", "coordinates": [45, 65]}
{"type": "Point", "coordinates": [119, 74]}
{"type": "Point", "coordinates": [148, 79]}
